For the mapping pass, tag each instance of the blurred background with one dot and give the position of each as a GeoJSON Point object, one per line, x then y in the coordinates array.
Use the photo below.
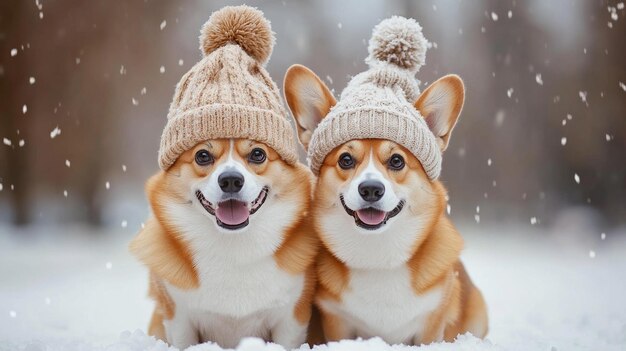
{"type": "Point", "coordinates": [85, 86]}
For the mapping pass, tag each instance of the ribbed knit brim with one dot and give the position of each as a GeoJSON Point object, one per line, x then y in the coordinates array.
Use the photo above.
{"type": "Point", "coordinates": [374, 122]}
{"type": "Point", "coordinates": [218, 121]}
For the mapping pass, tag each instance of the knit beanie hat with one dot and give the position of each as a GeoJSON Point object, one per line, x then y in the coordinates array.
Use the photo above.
{"type": "Point", "coordinates": [378, 103]}
{"type": "Point", "coordinates": [229, 94]}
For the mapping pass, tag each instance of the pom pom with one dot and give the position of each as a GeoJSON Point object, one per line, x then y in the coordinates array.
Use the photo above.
{"type": "Point", "coordinates": [241, 25]}
{"type": "Point", "coordinates": [399, 41]}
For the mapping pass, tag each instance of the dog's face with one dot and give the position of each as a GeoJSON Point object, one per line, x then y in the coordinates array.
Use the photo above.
{"type": "Point", "coordinates": [232, 181]}
{"type": "Point", "coordinates": [375, 183]}
{"type": "Point", "coordinates": [373, 198]}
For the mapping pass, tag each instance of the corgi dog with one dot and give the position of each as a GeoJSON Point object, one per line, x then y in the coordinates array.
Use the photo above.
{"type": "Point", "coordinates": [229, 247]}
{"type": "Point", "coordinates": [389, 264]}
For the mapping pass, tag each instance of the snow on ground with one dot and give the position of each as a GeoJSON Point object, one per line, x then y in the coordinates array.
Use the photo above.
{"type": "Point", "coordinates": [63, 290]}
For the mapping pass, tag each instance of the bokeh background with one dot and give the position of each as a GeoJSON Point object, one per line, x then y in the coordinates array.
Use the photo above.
{"type": "Point", "coordinates": [539, 150]}
{"type": "Point", "coordinates": [546, 99]}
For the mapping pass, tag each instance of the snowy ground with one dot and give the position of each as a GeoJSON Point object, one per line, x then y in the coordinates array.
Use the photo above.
{"type": "Point", "coordinates": [63, 290]}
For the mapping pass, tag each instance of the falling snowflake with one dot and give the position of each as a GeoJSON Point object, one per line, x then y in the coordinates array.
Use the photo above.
{"type": "Point", "coordinates": [533, 220]}
{"type": "Point", "coordinates": [55, 132]}
{"type": "Point", "coordinates": [67, 163]}
{"type": "Point", "coordinates": [622, 85]}
{"type": "Point", "coordinates": [1, 186]}
{"type": "Point", "coordinates": [24, 109]}
{"type": "Point", "coordinates": [6, 141]}
{"type": "Point", "coordinates": [13, 314]}
{"type": "Point", "coordinates": [48, 301]}
{"type": "Point", "coordinates": [576, 178]}
{"type": "Point", "coordinates": [123, 168]}
{"type": "Point", "coordinates": [583, 97]}
{"type": "Point", "coordinates": [494, 16]}
{"type": "Point", "coordinates": [108, 265]}
{"type": "Point", "coordinates": [620, 6]}
{"type": "Point", "coordinates": [144, 91]}
{"type": "Point", "coordinates": [134, 101]}
{"type": "Point", "coordinates": [122, 70]}
{"type": "Point", "coordinates": [163, 24]}
{"type": "Point", "coordinates": [538, 79]}
{"type": "Point", "coordinates": [608, 137]}
{"type": "Point", "coordinates": [21, 142]}
{"type": "Point", "coordinates": [510, 14]}
{"type": "Point", "coordinates": [563, 141]}
{"type": "Point", "coordinates": [489, 162]}
{"type": "Point", "coordinates": [592, 254]}
{"type": "Point", "coordinates": [602, 236]}
{"type": "Point", "coordinates": [448, 208]}
{"type": "Point", "coordinates": [162, 69]}
{"type": "Point", "coordinates": [181, 62]}
{"type": "Point", "coordinates": [13, 52]}
{"type": "Point", "coordinates": [65, 193]}
{"type": "Point", "coordinates": [107, 185]}
{"type": "Point", "coordinates": [124, 224]}
{"type": "Point", "coordinates": [509, 92]}
{"type": "Point", "coordinates": [339, 25]}
{"type": "Point", "coordinates": [31, 80]}
{"type": "Point", "coordinates": [477, 218]}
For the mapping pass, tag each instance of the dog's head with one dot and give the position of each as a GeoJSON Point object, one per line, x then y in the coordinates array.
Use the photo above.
{"type": "Point", "coordinates": [232, 183]}
{"type": "Point", "coordinates": [373, 194]}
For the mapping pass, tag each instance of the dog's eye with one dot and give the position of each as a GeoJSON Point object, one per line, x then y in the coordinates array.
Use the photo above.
{"type": "Point", "coordinates": [396, 162]}
{"type": "Point", "coordinates": [346, 161]}
{"type": "Point", "coordinates": [257, 156]}
{"type": "Point", "coordinates": [203, 158]}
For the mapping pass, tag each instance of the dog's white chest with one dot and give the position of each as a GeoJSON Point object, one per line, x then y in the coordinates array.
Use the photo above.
{"type": "Point", "coordinates": [236, 290]}
{"type": "Point", "coordinates": [383, 303]}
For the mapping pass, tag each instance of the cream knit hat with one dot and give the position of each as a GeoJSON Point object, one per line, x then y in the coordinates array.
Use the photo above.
{"type": "Point", "coordinates": [229, 94]}
{"type": "Point", "coordinates": [378, 103]}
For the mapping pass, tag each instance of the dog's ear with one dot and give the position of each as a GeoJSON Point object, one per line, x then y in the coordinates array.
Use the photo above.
{"type": "Point", "coordinates": [440, 104]}
{"type": "Point", "coordinates": [309, 100]}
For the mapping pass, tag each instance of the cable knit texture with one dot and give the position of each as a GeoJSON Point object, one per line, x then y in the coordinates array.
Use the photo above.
{"type": "Point", "coordinates": [229, 94]}
{"type": "Point", "coordinates": [378, 103]}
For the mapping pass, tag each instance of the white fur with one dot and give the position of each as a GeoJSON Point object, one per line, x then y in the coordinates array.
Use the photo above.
{"type": "Point", "coordinates": [383, 303]}
{"type": "Point", "coordinates": [242, 290]}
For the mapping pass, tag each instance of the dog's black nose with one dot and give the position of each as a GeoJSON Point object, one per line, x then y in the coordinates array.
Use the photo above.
{"type": "Point", "coordinates": [371, 190]}
{"type": "Point", "coordinates": [230, 181]}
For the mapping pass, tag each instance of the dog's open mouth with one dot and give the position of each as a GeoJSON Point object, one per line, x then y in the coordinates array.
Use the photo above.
{"type": "Point", "coordinates": [233, 214]}
{"type": "Point", "coordinates": [371, 218]}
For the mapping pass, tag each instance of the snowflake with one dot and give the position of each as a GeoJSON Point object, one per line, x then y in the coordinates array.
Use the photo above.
{"type": "Point", "coordinates": [163, 24]}
{"type": "Point", "coordinates": [55, 132]}
{"type": "Point", "coordinates": [576, 178]}
{"type": "Point", "coordinates": [494, 16]}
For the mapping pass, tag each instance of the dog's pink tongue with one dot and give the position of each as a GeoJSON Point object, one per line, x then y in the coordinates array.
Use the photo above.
{"type": "Point", "coordinates": [232, 212]}
{"type": "Point", "coordinates": [371, 216]}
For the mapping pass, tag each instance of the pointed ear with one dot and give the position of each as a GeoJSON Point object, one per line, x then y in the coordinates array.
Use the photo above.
{"type": "Point", "coordinates": [309, 100]}
{"type": "Point", "coordinates": [440, 105]}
